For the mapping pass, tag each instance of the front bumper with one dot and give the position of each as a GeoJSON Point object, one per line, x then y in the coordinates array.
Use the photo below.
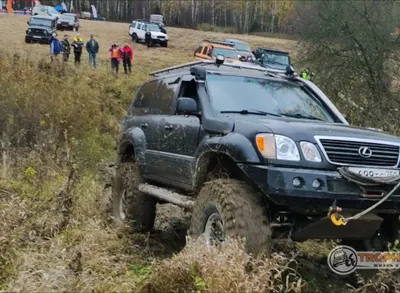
{"type": "Point", "coordinates": [40, 39]}
{"type": "Point", "coordinates": [159, 41]}
{"type": "Point", "coordinates": [277, 184]}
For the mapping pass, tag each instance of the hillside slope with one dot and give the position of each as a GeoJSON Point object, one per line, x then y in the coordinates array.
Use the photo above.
{"type": "Point", "coordinates": [58, 129]}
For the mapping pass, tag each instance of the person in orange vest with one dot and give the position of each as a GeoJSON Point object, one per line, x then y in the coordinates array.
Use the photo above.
{"type": "Point", "coordinates": [115, 55]}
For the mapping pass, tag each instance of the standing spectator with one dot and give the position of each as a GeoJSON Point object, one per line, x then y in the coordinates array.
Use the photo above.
{"type": "Point", "coordinates": [66, 48]}
{"type": "Point", "coordinates": [55, 48]}
{"type": "Point", "coordinates": [127, 56]}
{"type": "Point", "coordinates": [115, 53]}
{"type": "Point", "coordinates": [147, 38]}
{"type": "Point", "coordinates": [92, 46]}
{"type": "Point", "coordinates": [78, 47]}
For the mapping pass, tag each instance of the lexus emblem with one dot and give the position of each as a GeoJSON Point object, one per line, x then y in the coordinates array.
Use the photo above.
{"type": "Point", "coordinates": [365, 152]}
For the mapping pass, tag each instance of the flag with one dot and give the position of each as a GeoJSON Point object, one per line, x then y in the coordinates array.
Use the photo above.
{"type": "Point", "coordinates": [9, 6]}
{"type": "Point", "coordinates": [94, 11]}
{"type": "Point", "coordinates": [64, 7]}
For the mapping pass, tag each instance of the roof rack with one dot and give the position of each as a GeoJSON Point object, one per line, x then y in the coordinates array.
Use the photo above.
{"type": "Point", "coordinates": [229, 44]}
{"type": "Point", "coordinates": [238, 65]}
{"type": "Point", "coordinates": [190, 64]}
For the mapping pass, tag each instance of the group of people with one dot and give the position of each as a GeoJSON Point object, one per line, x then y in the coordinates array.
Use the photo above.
{"type": "Point", "coordinates": [63, 48]}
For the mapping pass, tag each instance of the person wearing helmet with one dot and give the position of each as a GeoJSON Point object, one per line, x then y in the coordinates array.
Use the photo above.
{"type": "Point", "coordinates": [78, 47]}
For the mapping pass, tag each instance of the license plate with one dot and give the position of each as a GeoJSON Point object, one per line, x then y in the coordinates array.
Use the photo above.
{"type": "Point", "coordinates": [36, 37]}
{"type": "Point", "coordinates": [372, 172]}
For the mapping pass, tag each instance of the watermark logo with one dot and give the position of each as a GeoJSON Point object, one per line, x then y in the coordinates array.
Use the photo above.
{"type": "Point", "coordinates": [344, 260]}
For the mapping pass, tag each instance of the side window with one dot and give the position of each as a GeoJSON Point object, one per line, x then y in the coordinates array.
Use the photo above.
{"type": "Point", "coordinates": [139, 26]}
{"type": "Point", "coordinates": [164, 97]}
{"type": "Point", "coordinates": [133, 24]}
{"type": "Point", "coordinates": [198, 50]}
{"type": "Point", "coordinates": [144, 98]}
{"type": "Point", "coordinates": [204, 52]}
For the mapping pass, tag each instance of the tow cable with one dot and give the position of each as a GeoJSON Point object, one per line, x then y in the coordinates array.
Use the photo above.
{"type": "Point", "coordinates": [334, 212]}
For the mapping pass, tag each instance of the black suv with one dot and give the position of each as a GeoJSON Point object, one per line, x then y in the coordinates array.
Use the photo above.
{"type": "Point", "coordinates": [274, 60]}
{"type": "Point", "coordinates": [254, 154]}
{"type": "Point", "coordinates": [41, 28]}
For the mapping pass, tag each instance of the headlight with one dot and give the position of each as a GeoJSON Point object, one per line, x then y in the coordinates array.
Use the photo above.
{"type": "Point", "coordinates": [29, 31]}
{"type": "Point", "coordinates": [310, 152]}
{"type": "Point", "coordinates": [277, 147]}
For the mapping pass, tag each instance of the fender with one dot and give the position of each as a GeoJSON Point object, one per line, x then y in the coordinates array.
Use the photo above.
{"type": "Point", "coordinates": [134, 136]}
{"type": "Point", "coordinates": [235, 145]}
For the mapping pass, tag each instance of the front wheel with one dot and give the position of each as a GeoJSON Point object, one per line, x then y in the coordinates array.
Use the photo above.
{"type": "Point", "coordinates": [231, 208]}
{"type": "Point", "coordinates": [129, 204]}
{"type": "Point", "coordinates": [165, 44]}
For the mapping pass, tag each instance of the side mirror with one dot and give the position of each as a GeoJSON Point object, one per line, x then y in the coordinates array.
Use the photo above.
{"type": "Point", "coordinates": [186, 106]}
{"type": "Point", "coordinates": [27, 22]}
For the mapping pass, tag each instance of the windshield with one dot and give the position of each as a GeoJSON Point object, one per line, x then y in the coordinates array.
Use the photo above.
{"type": "Point", "coordinates": [40, 22]}
{"type": "Point", "coordinates": [232, 54]}
{"type": "Point", "coordinates": [68, 17]}
{"type": "Point", "coordinates": [237, 93]}
{"type": "Point", "coordinates": [152, 28]}
{"type": "Point", "coordinates": [242, 47]}
{"type": "Point", "coordinates": [275, 58]}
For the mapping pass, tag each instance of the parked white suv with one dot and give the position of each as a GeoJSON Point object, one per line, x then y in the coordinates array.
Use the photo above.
{"type": "Point", "coordinates": [138, 29]}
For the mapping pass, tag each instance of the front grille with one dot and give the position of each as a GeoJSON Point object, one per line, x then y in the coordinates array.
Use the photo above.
{"type": "Point", "coordinates": [38, 32]}
{"type": "Point", "coordinates": [160, 37]}
{"type": "Point", "coordinates": [346, 152]}
{"type": "Point", "coordinates": [65, 23]}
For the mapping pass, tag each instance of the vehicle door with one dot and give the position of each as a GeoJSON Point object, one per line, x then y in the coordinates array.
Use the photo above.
{"type": "Point", "coordinates": [140, 116]}
{"type": "Point", "coordinates": [140, 32]}
{"type": "Point", "coordinates": [178, 137]}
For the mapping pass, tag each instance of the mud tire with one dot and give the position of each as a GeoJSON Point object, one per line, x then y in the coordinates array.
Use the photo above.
{"type": "Point", "coordinates": [139, 208]}
{"type": "Point", "coordinates": [241, 210]}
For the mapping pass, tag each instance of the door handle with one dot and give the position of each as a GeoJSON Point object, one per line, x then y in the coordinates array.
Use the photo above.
{"type": "Point", "coordinates": [143, 125]}
{"type": "Point", "coordinates": [169, 127]}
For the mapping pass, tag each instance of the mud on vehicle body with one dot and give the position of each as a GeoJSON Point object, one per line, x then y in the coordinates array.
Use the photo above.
{"type": "Point", "coordinates": [253, 154]}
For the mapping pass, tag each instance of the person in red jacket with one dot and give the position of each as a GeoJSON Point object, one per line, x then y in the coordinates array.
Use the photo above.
{"type": "Point", "coordinates": [127, 56]}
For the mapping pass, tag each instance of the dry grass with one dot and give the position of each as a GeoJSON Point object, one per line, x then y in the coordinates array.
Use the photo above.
{"type": "Point", "coordinates": [58, 129]}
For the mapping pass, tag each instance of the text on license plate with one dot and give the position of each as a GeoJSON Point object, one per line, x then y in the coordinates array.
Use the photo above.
{"type": "Point", "coordinates": [372, 172]}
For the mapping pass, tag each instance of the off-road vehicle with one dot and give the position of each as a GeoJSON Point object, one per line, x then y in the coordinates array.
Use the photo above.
{"type": "Point", "coordinates": [274, 60]}
{"type": "Point", "coordinates": [68, 21]}
{"type": "Point", "coordinates": [242, 48]}
{"type": "Point", "coordinates": [253, 154]}
{"type": "Point", "coordinates": [138, 29]}
{"type": "Point", "coordinates": [209, 50]}
{"type": "Point", "coordinates": [40, 29]}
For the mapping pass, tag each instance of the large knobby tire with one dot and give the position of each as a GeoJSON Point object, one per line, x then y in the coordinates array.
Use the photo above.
{"type": "Point", "coordinates": [237, 208]}
{"type": "Point", "coordinates": [129, 204]}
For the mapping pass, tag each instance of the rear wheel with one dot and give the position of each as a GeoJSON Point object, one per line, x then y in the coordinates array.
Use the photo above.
{"type": "Point", "coordinates": [231, 208]}
{"type": "Point", "coordinates": [129, 204]}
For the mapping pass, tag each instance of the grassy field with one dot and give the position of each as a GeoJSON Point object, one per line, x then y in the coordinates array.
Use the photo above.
{"type": "Point", "coordinates": [58, 131]}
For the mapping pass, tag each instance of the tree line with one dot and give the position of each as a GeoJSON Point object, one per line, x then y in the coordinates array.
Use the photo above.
{"type": "Point", "coordinates": [244, 16]}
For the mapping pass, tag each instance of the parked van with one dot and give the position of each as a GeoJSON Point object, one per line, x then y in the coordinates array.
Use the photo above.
{"type": "Point", "coordinates": [45, 10]}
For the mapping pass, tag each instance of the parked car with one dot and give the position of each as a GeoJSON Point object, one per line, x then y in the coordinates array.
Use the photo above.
{"type": "Point", "coordinates": [40, 29]}
{"type": "Point", "coordinates": [252, 154]}
{"type": "Point", "coordinates": [274, 60]}
{"type": "Point", "coordinates": [210, 49]}
{"type": "Point", "coordinates": [157, 18]}
{"type": "Point", "coordinates": [138, 29]}
{"type": "Point", "coordinates": [68, 21]}
{"type": "Point", "coordinates": [243, 48]}
{"type": "Point", "coordinates": [45, 10]}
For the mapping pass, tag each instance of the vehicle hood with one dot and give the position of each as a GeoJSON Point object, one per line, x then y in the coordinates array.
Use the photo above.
{"type": "Point", "coordinates": [299, 129]}
{"type": "Point", "coordinates": [158, 34]}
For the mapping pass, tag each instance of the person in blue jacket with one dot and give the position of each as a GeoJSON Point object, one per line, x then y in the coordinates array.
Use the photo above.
{"type": "Point", "coordinates": [55, 48]}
